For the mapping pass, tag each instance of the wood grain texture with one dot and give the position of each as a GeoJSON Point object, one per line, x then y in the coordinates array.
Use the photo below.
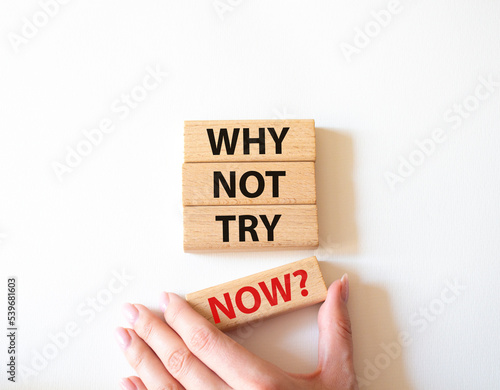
{"type": "Point", "coordinates": [270, 183]}
{"type": "Point", "coordinates": [258, 296]}
{"type": "Point", "coordinates": [299, 143]}
{"type": "Point", "coordinates": [297, 227]}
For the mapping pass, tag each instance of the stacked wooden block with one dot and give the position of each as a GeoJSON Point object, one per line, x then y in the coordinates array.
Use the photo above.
{"type": "Point", "coordinates": [249, 184]}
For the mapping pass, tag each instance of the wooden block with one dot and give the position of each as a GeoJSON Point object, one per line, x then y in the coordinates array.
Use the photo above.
{"type": "Point", "coordinates": [248, 183]}
{"type": "Point", "coordinates": [263, 295]}
{"type": "Point", "coordinates": [249, 140]}
{"type": "Point", "coordinates": [250, 227]}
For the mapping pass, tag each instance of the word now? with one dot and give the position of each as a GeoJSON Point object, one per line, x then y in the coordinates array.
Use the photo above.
{"type": "Point", "coordinates": [262, 295]}
{"type": "Point", "coordinates": [272, 297]}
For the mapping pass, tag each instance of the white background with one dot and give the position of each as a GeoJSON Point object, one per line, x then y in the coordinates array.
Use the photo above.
{"type": "Point", "coordinates": [120, 208]}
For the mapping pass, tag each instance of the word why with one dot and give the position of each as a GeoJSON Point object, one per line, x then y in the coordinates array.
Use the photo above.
{"type": "Point", "coordinates": [371, 30]}
{"type": "Point", "coordinates": [230, 146]}
{"type": "Point", "coordinates": [227, 308]}
{"type": "Point", "coordinates": [243, 228]}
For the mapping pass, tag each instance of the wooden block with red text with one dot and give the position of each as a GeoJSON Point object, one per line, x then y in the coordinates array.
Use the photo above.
{"type": "Point", "coordinates": [262, 295]}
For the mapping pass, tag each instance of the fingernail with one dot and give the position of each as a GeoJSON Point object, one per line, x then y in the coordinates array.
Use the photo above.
{"type": "Point", "coordinates": [164, 300]}
{"type": "Point", "coordinates": [345, 288]}
{"type": "Point", "coordinates": [127, 384]}
{"type": "Point", "coordinates": [123, 338]}
{"type": "Point", "coordinates": [130, 312]}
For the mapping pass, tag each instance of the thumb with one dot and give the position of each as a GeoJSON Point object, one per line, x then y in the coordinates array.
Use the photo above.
{"type": "Point", "coordinates": [335, 338]}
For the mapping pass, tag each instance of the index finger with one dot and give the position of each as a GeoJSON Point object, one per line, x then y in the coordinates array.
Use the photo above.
{"type": "Point", "coordinates": [238, 367]}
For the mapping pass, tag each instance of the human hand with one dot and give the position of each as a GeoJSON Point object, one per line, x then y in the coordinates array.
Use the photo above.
{"type": "Point", "coordinates": [188, 352]}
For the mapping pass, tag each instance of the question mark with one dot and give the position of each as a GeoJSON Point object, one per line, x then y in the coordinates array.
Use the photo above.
{"type": "Point", "coordinates": [303, 278]}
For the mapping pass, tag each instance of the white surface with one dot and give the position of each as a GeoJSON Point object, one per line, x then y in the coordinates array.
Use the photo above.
{"type": "Point", "coordinates": [120, 209]}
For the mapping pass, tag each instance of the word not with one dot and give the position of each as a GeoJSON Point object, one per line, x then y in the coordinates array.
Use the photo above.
{"type": "Point", "coordinates": [262, 295]}
{"type": "Point", "coordinates": [30, 28]}
{"type": "Point", "coordinates": [243, 228]}
{"type": "Point", "coordinates": [231, 187]}
{"type": "Point", "coordinates": [371, 30]}
{"type": "Point", "coordinates": [248, 183]}
{"type": "Point", "coordinates": [230, 146]}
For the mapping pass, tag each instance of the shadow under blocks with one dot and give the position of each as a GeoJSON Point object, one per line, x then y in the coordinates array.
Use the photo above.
{"type": "Point", "coordinates": [378, 354]}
